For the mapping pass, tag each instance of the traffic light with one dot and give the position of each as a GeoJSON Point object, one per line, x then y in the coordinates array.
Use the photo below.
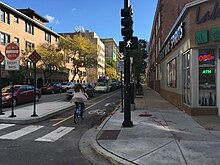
{"type": "Point", "coordinates": [127, 22]}
{"type": "Point", "coordinates": [121, 46]}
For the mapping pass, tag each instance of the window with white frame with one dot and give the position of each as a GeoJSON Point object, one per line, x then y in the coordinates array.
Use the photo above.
{"type": "Point", "coordinates": [16, 20]}
{"type": "Point", "coordinates": [16, 40]}
{"type": "Point", "coordinates": [29, 46]}
{"type": "Point", "coordinates": [186, 78]}
{"type": "Point", "coordinates": [48, 37]}
{"type": "Point", "coordinates": [4, 16]}
{"type": "Point", "coordinates": [29, 28]}
{"type": "Point", "coordinates": [5, 38]}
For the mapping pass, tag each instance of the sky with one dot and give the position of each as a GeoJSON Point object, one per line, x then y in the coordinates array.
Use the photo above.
{"type": "Point", "coordinates": [100, 16]}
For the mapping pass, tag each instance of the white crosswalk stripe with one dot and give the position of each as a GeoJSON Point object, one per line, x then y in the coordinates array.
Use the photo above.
{"type": "Point", "coordinates": [3, 126]}
{"type": "Point", "coordinates": [21, 132]}
{"type": "Point", "coordinates": [56, 134]}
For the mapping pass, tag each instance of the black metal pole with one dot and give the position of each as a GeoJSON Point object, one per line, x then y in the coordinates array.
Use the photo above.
{"type": "Point", "coordinates": [34, 113]}
{"type": "Point", "coordinates": [1, 113]}
{"type": "Point", "coordinates": [127, 111]}
{"type": "Point", "coordinates": [12, 97]}
{"type": "Point", "coordinates": [122, 95]}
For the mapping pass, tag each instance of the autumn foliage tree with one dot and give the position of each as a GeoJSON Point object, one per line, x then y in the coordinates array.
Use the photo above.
{"type": "Point", "coordinates": [51, 56]}
{"type": "Point", "coordinates": [81, 50]}
{"type": "Point", "coordinates": [110, 69]}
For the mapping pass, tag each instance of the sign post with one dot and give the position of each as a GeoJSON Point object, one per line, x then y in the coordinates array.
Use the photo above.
{"type": "Point", "coordinates": [2, 57]}
{"type": "Point", "coordinates": [34, 57]}
{"type": "Point", "coordinates": [12, 63]}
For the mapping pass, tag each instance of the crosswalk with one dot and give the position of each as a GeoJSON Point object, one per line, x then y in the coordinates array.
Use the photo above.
{"type": "Point", "coordinates": [26, 130]}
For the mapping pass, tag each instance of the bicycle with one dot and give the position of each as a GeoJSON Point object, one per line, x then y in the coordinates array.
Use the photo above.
{"type": "Point", "coordinates": [78, 113]}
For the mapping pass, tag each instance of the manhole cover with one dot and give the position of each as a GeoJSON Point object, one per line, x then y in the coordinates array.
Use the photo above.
{"type": "Point", "coordinates": [109, 135]}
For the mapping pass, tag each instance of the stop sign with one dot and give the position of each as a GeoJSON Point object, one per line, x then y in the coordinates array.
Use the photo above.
{"type": "Point", "coordinates": [12, 51]}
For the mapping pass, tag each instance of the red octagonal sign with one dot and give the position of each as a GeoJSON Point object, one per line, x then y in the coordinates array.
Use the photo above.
{"type": "Point", "coordinates": [12, 51]}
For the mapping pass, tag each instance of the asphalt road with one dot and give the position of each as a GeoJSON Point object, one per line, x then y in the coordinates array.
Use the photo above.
{"type": "Point", "coordinates": [62, 135]}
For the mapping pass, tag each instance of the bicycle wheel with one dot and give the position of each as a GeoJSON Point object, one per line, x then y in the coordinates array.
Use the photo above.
{"type": "Point", "coordinates": [75, 117]}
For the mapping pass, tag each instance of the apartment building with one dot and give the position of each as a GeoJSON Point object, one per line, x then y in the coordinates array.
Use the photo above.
{"type": "Point", "coordinates": [89, 74]}
{"type": "Point", "coordinates": [190, 59]}
{"type": "Point", "coordinates": [167, 12]}
{"type": "Point", "coordinates": [26, 28]}
{"type": "Point", "coordinates": [112, 51]}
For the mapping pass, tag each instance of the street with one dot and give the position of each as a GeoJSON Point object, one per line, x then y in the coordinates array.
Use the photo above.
{"type": "Point", "coordinates": [55, 140]}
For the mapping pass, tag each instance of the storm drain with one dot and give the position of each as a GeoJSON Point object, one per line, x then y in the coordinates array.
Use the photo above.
{"type": "Point", "coordinates": [109, 135]}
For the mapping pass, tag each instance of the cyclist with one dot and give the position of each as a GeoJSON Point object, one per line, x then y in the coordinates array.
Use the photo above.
{"type": "Point", "coordinates": [79, 98]}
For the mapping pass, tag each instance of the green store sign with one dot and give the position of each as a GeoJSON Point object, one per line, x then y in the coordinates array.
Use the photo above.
{"type": "Point", "coordinates": [207, 71]}
{"type": "Point", "coordinates": [205, 35]}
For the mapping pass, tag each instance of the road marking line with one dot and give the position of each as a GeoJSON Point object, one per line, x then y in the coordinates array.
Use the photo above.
{"type": "Point", "coordinates": [56, 134]}
{"type": "Point", "coordinates": [62, 120]}
{"type": "Point", "coordinates": [3, 126]}
{"type": "Point", "coordinates": [21, 132]}
{"type": "Point", "coordinates": [85, 109]}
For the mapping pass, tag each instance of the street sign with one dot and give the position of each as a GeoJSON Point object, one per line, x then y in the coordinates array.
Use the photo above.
{"type": "Point", "coordinates": [12, 60]}
{"type": "Point", "coordinates": [34, 57]}
{"type": "Point", "coordinates": [2, 57]}
{"type": "Point", "coordinates": [120, 66]}
{"type": "Point", "coordinates": [12, 51]}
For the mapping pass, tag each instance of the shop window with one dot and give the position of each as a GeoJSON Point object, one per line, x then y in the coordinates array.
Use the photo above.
{"type": "Point", "coordinates": [186, 79]}
{"type": "Point", "coordinates": [207, 77]}
{"type": "Point", "coordinates": [171, 73]}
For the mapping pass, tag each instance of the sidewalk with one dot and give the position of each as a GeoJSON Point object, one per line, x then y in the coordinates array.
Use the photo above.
{"type": "Point", "coordinates": [43, 110]}
{"type": "Point", "coordinates": [162, 134]}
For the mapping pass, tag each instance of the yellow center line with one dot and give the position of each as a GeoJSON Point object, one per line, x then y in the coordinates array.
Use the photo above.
{"type": "Point", "coordinates": [65, 119]}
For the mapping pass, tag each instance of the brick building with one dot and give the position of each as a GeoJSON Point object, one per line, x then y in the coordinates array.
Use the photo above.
{"type": "Point", "coordinates": [167, 12]}
{"type": "Point", "coordinates": [26, 28]}
{"type": "Point", "coordinates": [188, 59]}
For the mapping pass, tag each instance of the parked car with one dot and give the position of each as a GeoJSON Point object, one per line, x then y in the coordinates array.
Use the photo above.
{"type": "Point", "coordinates": [21, 94]}
{"type": "Point", "coordinates": [89, 89]}
{"type": "Point", "coordinates": [67, 85]}
{"type": "Point", "coordinates": [54, 87]}
{"type": "Point", "coordinates": [102, 87]}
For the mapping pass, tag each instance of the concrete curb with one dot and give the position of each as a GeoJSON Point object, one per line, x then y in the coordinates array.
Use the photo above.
{"type": "Point", "coordinates": [34, 119]}
{"type": "Point", "coordinates": [92, 134]}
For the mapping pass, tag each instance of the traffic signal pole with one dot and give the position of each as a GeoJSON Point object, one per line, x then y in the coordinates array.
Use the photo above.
{"type": "Point", "coordinates": [127, 109]}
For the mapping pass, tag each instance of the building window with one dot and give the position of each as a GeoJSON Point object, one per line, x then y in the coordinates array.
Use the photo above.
{"type": "Point", "coordinates": [207, 77]}
{"type": "Point", "coordinates": [186, 79]}
{"type": "Point", "coordinates": [29, 46]}
{"type": "Point", "coordinates": [29, 28]}
{"type": "Point", "coordinates": [56, 39]}
{"type": "Point", "coordinates": [48, 37]}
{"type": "Point", "coordinates": [5, 38]}
{"type": "Point", "coordinates": [4, 16]}
{"type": "Point", "coordinates": [16, 20]}
{"type": "Point", "coordinates": [171, 73]}
{"type": "Point", "coordinates": [16, 40]}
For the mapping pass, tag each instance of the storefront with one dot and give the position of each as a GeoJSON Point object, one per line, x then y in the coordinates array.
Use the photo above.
{"type": "Point", "coordinates": [190, 60]}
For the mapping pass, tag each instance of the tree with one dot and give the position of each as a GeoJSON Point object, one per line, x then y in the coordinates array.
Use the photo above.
{"type": "Point", "coordinates": [51, 56]}
{"type": "Point", "coordinates": [139, 64]}
{"type": "Point", "coordinates": [110, 69]}
{"type": "Point", "coordinates": [81, 50]}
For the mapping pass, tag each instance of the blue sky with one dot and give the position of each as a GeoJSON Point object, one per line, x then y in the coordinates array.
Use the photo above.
{"type": "Point", "coordinates": [99, 16]}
